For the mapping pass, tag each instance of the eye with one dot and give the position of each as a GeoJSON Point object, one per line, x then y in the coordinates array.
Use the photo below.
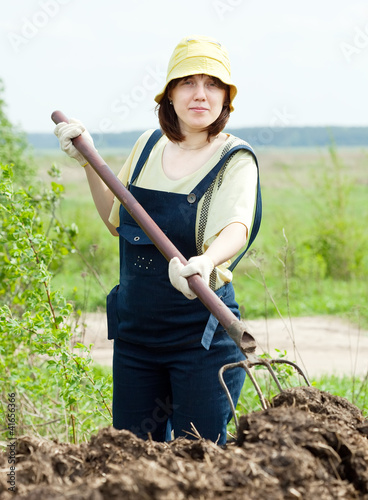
{"type": "Point", "coordinates": [212, 83]}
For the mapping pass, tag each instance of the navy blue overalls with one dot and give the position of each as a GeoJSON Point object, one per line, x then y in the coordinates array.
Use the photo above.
{"type": "Point", "coordinates": [163, 377]}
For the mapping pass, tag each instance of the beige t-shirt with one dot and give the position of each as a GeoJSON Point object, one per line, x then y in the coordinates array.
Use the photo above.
{"type": "Point", "coordinates": [232, 198]}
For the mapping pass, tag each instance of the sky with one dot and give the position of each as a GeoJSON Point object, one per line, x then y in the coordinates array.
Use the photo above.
{"type": "Point", "coordinates": [294, 63]}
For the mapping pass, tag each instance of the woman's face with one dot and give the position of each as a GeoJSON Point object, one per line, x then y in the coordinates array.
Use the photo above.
{"type": "Point", "coordinates": [198, 101]}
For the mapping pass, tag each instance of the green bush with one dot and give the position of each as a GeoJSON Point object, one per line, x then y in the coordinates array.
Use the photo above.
{"type": "Point", "coordinates": [42, 360]}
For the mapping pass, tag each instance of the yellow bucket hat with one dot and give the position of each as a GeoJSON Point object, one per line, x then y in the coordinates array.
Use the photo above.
{"type": "Point", "coordinates": [199, 55]}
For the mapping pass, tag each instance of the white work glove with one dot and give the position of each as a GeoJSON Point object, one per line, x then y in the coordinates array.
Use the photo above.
{"type": "Point", "coordinates": [65, 132]}
{"type": "Point", "coordinates": [178, 273]}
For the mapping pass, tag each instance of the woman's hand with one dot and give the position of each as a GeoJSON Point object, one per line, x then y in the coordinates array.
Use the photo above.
{"type": "Point", "coordinates": [230, 240]}
{"type": "Point", "coordinates": [65, 132]}
{"type": "Point", "coordinates": [102, 196]}
{"type": "Point", "coordinates": [178, 273]}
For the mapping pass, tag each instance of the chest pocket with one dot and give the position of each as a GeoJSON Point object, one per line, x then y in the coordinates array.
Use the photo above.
{"type": "Point", "coordinates": [133, 234]}
{"type": "Point", "coordinates": [141, 257]}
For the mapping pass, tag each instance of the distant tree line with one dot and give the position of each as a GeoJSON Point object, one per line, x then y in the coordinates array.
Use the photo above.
{"type": "Point", "coordinates": [282, 137]}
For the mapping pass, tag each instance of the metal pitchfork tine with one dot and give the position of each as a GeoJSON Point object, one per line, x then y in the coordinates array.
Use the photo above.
{"type": "Point", "coordinates": [236, 329]}
{"type": "Point", "coordinates": [247, 364]}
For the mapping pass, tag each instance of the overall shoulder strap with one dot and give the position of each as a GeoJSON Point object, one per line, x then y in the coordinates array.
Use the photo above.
{"type": "Point", "coordinates": [154, 137]}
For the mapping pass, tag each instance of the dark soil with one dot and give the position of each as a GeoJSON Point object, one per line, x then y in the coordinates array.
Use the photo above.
{"type": "Point", "coordinates": [308, 445]}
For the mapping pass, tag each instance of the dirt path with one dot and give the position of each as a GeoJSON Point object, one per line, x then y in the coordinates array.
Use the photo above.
{"type": "Point", "coordinates": [322, 344]}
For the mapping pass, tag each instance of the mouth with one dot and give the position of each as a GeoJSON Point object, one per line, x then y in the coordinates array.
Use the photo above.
{"type": "Point", "coordinates": [198, 109]}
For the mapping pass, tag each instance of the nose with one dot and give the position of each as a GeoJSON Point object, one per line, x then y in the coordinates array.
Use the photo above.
{"type": "Point", "coordinates": [200, 92]}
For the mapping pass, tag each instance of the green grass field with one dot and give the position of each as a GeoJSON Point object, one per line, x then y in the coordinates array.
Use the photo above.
{"type": "Point", "coordinates": [309, 257]}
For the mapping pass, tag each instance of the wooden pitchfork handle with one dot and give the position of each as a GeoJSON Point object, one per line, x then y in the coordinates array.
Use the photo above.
{"type": "Point", "coordinates": [222, 313]}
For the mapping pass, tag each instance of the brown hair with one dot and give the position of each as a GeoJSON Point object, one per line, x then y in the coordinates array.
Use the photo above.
{"type": "Point", "coordinates": [169, 121]}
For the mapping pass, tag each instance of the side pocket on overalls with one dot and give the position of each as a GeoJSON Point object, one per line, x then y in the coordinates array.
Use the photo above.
{"type": "Point", "coordinates": [112, 313]}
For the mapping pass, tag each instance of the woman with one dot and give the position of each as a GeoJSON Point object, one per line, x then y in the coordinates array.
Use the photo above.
{"type": "Point", "coordinates": [199, 184]}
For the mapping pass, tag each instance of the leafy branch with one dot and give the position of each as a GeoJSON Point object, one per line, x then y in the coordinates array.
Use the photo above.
{"type": "Point", "coordinates": [35, 325]}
